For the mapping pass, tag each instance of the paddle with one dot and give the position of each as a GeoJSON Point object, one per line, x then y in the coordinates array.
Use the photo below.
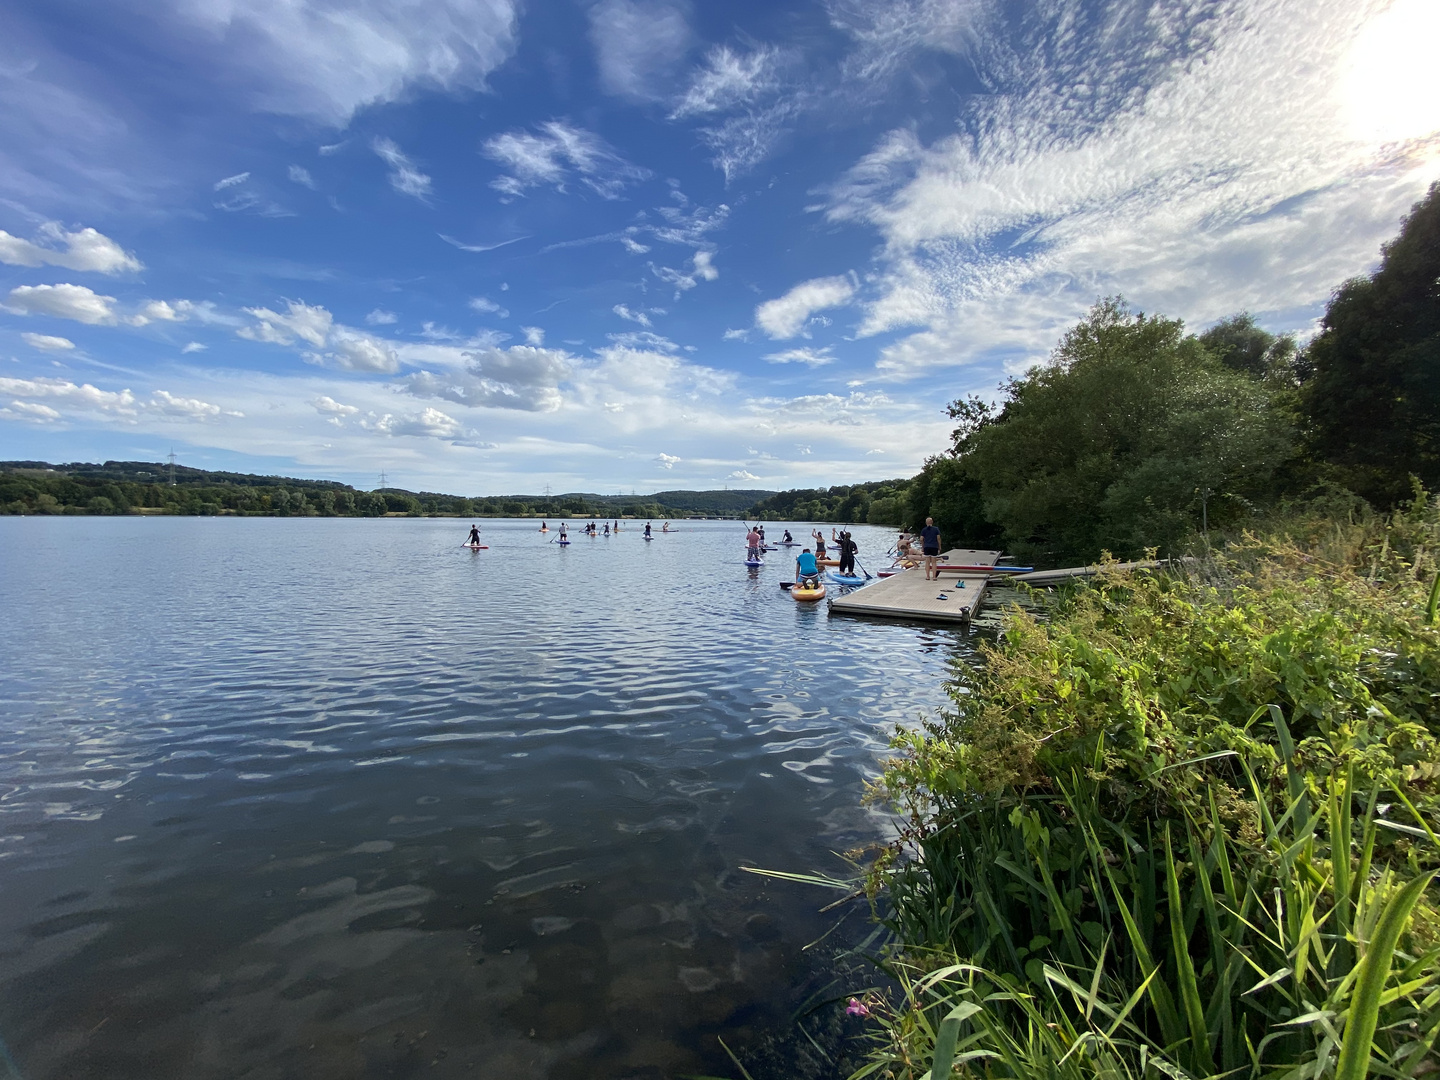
{"type": "Point", "coordinates": [862, 568]}
{"type": "Point", "coordinates": [787, 584]}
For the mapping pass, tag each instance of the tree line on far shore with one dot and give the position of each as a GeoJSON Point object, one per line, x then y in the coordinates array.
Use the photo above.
{"type": "Point", "coordinates": [36, 487]}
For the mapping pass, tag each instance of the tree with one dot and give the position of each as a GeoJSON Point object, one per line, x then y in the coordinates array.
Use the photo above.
{"type": "Point", "coordinates": [1371, 390]}
{"type": "Point", "coordinates": [1240, 344]}
{"type": "Point", "coordinates": [1128, 438]}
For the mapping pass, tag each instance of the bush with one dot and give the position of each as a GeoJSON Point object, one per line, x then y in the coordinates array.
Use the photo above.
{"type": "Point", "coordinates": [1193, 797]}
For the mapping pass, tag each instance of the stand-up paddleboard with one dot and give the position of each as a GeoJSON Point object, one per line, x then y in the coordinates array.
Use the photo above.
{"type": "Point", "coordinates": [980, 568]}
{"type": "Point", "coordinates": [845, 579]}
{"type": "Point", "coordinates": [817, 592]}
{"type": "Point", "coordinates": [828, 562]}
{"type": "Point", "coordinates": [563, 543]}
{"type": "Point", "coordinates": [754, 562]}
{"type": "Point", "coordinates": [476, 547]}
{"type": "Point", "coordinates": [648, 539]}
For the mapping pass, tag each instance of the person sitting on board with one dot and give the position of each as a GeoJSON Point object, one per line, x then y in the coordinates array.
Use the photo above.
{"type": "Point", "coordinates": [474, 536]}
{"type": "Point", "coordinates": [788, 538]}
{"type": "Point", "coordinates": [902, 546]}
{"type": "Point", "coordinates": [544, 527]}
{"type": "Point", "coordinates": [930, 545]}
{"type": "Point", "coordinates": [807, 570]}
{"type": "Point", "coordinates": [665, 527]}
{"type": "Point", "coordinates": [752, 544]}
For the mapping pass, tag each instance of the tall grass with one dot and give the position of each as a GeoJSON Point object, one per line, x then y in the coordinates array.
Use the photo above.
{"type": "Point", "coordinates": [1186, 827]}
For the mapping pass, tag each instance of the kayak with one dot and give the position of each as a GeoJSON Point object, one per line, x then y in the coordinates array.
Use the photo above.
{"type": "Point", "coordinates": [816, 593]}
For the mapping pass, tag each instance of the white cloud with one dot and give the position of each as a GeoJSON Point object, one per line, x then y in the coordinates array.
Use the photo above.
{"type": "Point", "coordinates": [47, 342]}
{"type": "Point", "coordinates": [534, 335]}
{"type": "Point", "coordinates": [1206, 174]}
{"type": "Point", "coordinates": [638, 45]}
{"type": "Point", "coordinates": [729, 79]}
{"type": "Point", "coordinates": [160, 311]}
{"type": "Point", "coordinates": [379, 317]}
{"type": "Point", "coordinates": [429, 424]}
{"type": "Point", "coordinates": [486, 306]}
{"type": "Point", "coordinates": [553, 155]}
{"type": "Point", "coordinates": [121, 404]}
{"type": "Point", "coordinates": [325, 62]}
{"type": "Point", "coordinates": [193, 347]}
{"type": "Point", "coordinates": [356, 351]}
{"type": "Point", "coordinates": [232, 181]}
{"type": "Point", "coordinates": [328, 406]}
{"type": "Point", "coordinates": [741, 474]}
{"type": "Point", "coordinates": [187, 408]}
{"type": "Point", "coordinates": [739, 143]}
{"type": "Point", "coordinates": [84, 249]}
{"type": "Point", "coordinates": [633, 316]}
{"type": "Point", "coordinates": [63, 302]}
{"type": "Point", "coordinates": [309, 323]}
{"type": "Point", "coordinates": [668, 461]}
{"type": "Point", "coordinates": [702, 268]}
{"type": "Point", "coordinates": [301, 175]}
{"type": "Point", "coordinates": [786, 316]}
{"type": "Point", "coordinates": [29, 410]}
{"type": "Point", "coordinates": [404, 176]}
{"type": "Point", "coordinates": [522, 377]}
{"type": "Point", "coordinates": [633, 246]}
{"type": "Point", "coordinates": [810, 357]}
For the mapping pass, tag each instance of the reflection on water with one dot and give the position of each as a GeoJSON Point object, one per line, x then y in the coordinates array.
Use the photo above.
{"type": "Point", "coordinates": [336, 798]}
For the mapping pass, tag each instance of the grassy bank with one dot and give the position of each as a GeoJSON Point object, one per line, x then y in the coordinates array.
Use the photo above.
{"type": "Point", "coordinates": [1183, 826]}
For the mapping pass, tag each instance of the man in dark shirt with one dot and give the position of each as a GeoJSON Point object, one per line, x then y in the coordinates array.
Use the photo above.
{"type": "Point", "coordinates": [930, 546]}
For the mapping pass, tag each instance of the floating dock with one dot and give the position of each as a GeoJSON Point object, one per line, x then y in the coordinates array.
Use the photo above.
{"type": "Point", "coordinates": [908, 595]}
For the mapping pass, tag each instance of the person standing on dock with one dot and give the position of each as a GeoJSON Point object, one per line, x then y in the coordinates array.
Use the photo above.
{"type": "Point", "coordinates": [930, 545]}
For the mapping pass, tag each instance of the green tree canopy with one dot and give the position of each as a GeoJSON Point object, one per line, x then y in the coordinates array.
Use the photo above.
{"type": "Point", "coordinates": [1122, 441]}
{"type": "Point", "coordinates": [1371, 392]}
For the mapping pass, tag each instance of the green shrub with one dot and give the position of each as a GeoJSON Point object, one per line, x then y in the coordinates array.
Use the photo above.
{"type": "Point", "coordinates": [1191, 796]}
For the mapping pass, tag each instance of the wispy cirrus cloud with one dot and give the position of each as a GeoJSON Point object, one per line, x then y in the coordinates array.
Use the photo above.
{"type": "Point", "coordinates": [557, 153]}
{"type": "Point", "coordinates": [1202, 168]}
{"type": "Point", "coordinates": [405, 176]}
{"type": "Point", "coordinates": [639, 45]}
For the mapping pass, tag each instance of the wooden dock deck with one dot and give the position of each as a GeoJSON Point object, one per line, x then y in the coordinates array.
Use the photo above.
{"type": "Point", "coordinates": [908, 595]}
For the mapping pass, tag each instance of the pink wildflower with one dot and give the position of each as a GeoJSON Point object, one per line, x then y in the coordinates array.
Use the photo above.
{"type": "Point", "coordinates": [857, 1008]}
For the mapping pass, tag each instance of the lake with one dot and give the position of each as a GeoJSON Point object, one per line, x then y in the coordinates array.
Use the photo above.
{"type": "Point", "coordinates": [337, 798]}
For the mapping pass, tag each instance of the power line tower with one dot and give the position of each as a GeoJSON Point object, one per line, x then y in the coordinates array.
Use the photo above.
{"type": "Point", "coordinates": [383, 484]}
{"type": "Point", "coordinates": [172, 466]}
{"type": "Point", "coordinates": [547, 491]}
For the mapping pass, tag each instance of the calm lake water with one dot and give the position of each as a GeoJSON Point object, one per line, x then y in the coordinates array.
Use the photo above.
{"type": "Point", "coordinates": [338, 798]}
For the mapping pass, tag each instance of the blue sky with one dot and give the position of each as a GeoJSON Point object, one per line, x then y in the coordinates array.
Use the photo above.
{"type": "Point", "coordinates": [637, 244]}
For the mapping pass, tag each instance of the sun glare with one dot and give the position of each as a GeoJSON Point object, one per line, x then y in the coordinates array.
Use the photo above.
{"type": "Point", "coordinates": [1391, 90]}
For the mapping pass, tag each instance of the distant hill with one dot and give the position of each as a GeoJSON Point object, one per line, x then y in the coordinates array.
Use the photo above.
{"type": "Point", "coordinates": [122, 487]}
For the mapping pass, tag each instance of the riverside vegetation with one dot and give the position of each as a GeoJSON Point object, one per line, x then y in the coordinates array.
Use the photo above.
{"type": "Point", "coordinates": [1184, 824]}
